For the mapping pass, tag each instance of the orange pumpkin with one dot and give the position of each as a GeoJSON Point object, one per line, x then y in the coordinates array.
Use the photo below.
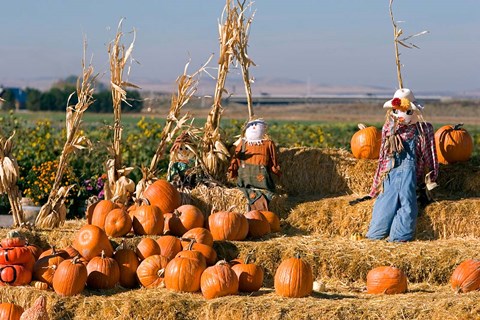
{"type": "Point", "coordinates": [183, 272]}
{"type": "Point", "coordinates": [128, 263]}
{"type": "Point", "coordinates": [14, 275]}
{"type": "Point", "coordinates": [218, 281]}
{"type": "Point", "coordinates": [15, 255]}
{"type": "Point", "coordinates": [169, 246]}
{"type": "Point", "coordinates": [103, 272]}
{"type": "Point", "coordinates": [151, 271]}
{"type": "Point", "coordinates": [118, 223]}
{"type": "Point", "coordinates": [90, 240]}
{"type": "Point", "coordinates": [250, 275]}
{"type": "Point", "coordinates": [148, 220]}
{"type": "Point", "coordinates": [228, 225]}
{"type": "Point", "coordinates": [388, 280]}
{"type": "Point", "coordinates": [190, 217]}
{"type": "Point", "coordinates": [147, 247]}
{"type": "Point", "coordinates": [163, 195]}
{"type": "Point", "coordinates": [45, 267]}
{"type": "Point", "coordinates": [366, 142]}
{"type": "Point", "coordinates": [13, 239]}
{"type": "Point", "coordinates": [100, 212]}
{"type": "Point", "coordinates": [208, 252]}
{"type": "Point", "coordinates": [294, 278]}
{"type": "Point", "coordinates": [35, 250]}
{"type": "Point", "coordinates": [466, 276]}
{"type": "Point", "coordinates": [10, 311]}
{"type": "Point", "coordinates": [70, 277]}
{"type": "Point", "coordinates": [200, 235]}
{"type": "Point", "coordinates": [273, 220]}
{"type": "Point", "coordinates": [453, 144]}
{"type": "Point", "coordinates": [258, 225]}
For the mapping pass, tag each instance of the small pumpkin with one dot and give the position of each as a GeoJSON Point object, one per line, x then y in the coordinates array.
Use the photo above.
{"type": "Point", "coordinates": [148, 220]}
{"type": "Point", "coordinates": [10, 311]}
{"type": "Point", "coordinates": [218, 281]}
{"type": "Point", "coordinates": [453, 144]}
{"type": "Point", "coordinates": [466, 276]}
{"type": "Point", "coordinates": [164, 195]}
{"type": "Point", "coordinates": [45, 267]}
{"type": "Point", "coordinates": [273, 220]}
{"type": "Point", "coordinates": [147, 247]}
{"type": "Point", "coordinates": [169, 246]}
{"type": "Point", "coordinates": [228, 225]}
{"type": "Point", "coordinates": [250, 275]}
{"type": "Point", "coordinates": [103, 272]}
{"type": "Point", "coordinates": [40, 285]}
{"type": "Point", "coordinates": [366, 142]}
{"type": "Point", "coordinates": [118, 223]}
{"type": "Point", "coordinates": [183, 272]}
{"type": "Point", "coordinates": [294, 278]}
{"type": "Point", "coordinates": [151, 271]}
{"type": "Point", "coordinates": [90, 240]}
{"type": "Point", "coordinates": [385, 279]}
{"type": "Point", "coordinates": [128, 263]}
{"type": "Point", "coordinates": [70, 277]}
{"type": "Point", "coordinates": [258, 225]}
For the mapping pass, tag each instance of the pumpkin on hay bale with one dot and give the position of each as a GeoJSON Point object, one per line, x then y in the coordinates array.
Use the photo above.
{"type": "Point", "coordinates": [453, 144]}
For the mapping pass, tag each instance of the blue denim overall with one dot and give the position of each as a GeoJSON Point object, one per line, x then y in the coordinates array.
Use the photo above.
{"type": "Point", "coordinates": [395, 210]}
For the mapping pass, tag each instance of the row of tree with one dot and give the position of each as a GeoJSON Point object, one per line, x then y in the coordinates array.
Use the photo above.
{"type": "Point", "coordinates": [56, 98]}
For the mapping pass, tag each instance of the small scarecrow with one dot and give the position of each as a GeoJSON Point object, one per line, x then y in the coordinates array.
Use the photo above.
{"type": "Point", "coordinates": [182, 169]}
{"type": "Point", "coordinates": [254, 160]}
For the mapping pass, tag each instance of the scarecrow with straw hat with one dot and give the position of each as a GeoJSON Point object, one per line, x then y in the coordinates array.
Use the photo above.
{"type": "Point", "coordinates": [407, 164]}
{"type": "Point", "coordinates": [254, 160]}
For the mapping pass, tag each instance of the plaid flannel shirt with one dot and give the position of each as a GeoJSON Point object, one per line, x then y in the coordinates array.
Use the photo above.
{"type": "Point", "coordinates": [426, 156]}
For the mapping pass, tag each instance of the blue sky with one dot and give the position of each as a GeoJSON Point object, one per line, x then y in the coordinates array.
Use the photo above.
{"type": "Point", "coordinates": [336, 42]}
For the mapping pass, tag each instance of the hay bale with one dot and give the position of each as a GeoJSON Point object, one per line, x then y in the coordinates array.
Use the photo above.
{"type": "Point", "coordinates": [335, 217]}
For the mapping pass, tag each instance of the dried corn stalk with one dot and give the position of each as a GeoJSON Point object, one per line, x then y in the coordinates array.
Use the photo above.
{"type": "Point", "coordinates": [214, 152]}
{"type": "Point", "coordinates": [397, 41]}
{"type": "Point", "coordinates": [9, 173]}
{"type": "Point", "coordinates": [53, 213]}
{"type": "Point", "coordinates": [240, 49]}
{"type": "Point", "coordinates": [118, 186]}
{"type": "Point", "coordinates": [186, 87]}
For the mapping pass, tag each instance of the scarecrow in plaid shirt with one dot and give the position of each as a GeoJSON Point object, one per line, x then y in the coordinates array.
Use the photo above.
{"type": "Point", "coordinates": [407, 163]}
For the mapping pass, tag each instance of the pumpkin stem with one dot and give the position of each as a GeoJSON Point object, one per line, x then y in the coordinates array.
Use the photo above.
{"type": "Point", "coordinates": [231, 208]}
{"type": "Point", "coordinates": [297, 255]}
{"type": "Point", "coordinates": [361, 126]}
{"type": "Point", "coordinates": [222, 262]}
{"type": "Point", "coordinates": [144, 201]}
{"type": "Point", "coordinates": [458, 126]}
{"type": "Point", "coordinates": [102, 255]}
{"type": "Point", "coordinates": [161, 273]}
{"type": "Point", "coordinates": [248, 257]}
{"type": "Point", "coordinates": [190, 245]}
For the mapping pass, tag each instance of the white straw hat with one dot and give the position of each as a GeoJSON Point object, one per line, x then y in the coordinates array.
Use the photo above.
{"type": "Point", "coordinates": [400, 94]}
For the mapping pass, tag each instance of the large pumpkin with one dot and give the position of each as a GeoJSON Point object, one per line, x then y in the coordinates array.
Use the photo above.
{"type": "Point", "coordinates": [258, 225]}
{"type": "Point", "coordinates": [128, 263]}
{"type": "Point", "coordinates": [294, 278]}
{"type": "Point", "coordinates": [250, 276]}
{"type": "Point", "coordinates": [366, 142]}
{"type": "Point", "coordinates": [10, 311]}
{"type": "Point", "coordinates": [163, 195]}
{"type": "Point", "coordinates": [103, 272]}
{"type": "Point", "coordinates": [190, 217]}
{"type": "Point", "coordinates": [70, 277]}
{"type": "Point", "coordinates": [466, 276]}
{"type": "Point", "coordinates": [151, 271]}
{"type": "Point", "coordinates": [388, 280]}
{"type": "Point", "coordinates": [183, 273]}
{"type": "Point", "coordinates": [90, 240]}
{"type": "Point", "coordinates": [148, 220]}
{"type": "Point", "coordinates": [228, 225]}
{"type": "Point", "coordinates": [218, 281]}
{"type": "Point", "coordinates": [453, 144]}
